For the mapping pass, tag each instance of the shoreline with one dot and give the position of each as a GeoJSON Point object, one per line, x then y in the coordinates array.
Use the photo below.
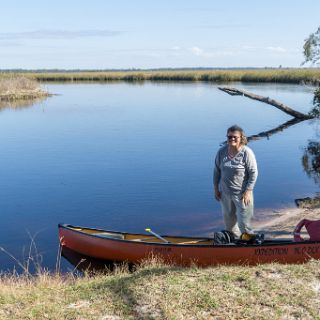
{"type": "Point", "coordinates": [24, 95]}
{"type": "Point", "coordinates": [280, 224]}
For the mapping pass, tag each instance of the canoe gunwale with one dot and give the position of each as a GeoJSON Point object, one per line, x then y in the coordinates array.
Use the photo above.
{"type": "Point", "coordinates": [266, 243]}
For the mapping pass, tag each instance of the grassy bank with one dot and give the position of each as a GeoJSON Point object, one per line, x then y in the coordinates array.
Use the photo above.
{"type": "Point", "coordinates": [19, 87]}
{"type": "Point", "coordinates": [249, 75]}
{"type": "Point", "coordinates": [156, 291]}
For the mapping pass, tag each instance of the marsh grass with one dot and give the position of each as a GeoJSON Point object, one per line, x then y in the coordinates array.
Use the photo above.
{"type": "Point", "coordinates": [158, 291]}
{"type": "Point", "coordinates": [18, 87]}
{"type": "Point", "coordinates": [311, 75]}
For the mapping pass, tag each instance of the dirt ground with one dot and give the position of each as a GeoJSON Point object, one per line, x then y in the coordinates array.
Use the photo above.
{"type": "Point", "coordinates": [282, 223]}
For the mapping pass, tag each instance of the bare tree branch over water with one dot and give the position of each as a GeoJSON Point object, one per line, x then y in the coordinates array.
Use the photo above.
{"type": "Point", "coordinates": [267, 100]}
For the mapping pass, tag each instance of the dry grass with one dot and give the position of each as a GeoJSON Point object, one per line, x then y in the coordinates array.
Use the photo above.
{"type": "Point", "coordinates": [13, 88]}
{"type": "Point", "coordinates": [156, 291]}
{"type": "Point", "coordinates": [311, 75]}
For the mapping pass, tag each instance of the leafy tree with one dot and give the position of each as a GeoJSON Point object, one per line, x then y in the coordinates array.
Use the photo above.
{"type": "Point", "coordinates": [311, 48]}
{"type": "Point", "coordinates": [311, 51]}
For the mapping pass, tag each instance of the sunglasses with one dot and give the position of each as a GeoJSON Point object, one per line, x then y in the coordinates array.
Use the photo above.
{"type": "Point", "coordinates": [233, 137]}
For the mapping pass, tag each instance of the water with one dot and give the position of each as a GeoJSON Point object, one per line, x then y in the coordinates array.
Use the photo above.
{"type": "Point", "coordinates": [129, 156]}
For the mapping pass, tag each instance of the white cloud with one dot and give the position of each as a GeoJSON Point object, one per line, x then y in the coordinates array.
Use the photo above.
{"type": "Point", "coordinates": [213, 53]}
{"type": "Point", "coordinates": [197, 51]}
{"type": "Point", "coordinates": [276, 49]}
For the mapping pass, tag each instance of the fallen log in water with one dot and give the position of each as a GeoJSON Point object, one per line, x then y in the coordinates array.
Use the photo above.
{"type": "Point", "coordinates": [279, 105]}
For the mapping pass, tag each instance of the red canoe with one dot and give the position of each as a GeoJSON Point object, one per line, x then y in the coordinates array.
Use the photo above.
{"type": "Point", "coordinates": [184, 251]}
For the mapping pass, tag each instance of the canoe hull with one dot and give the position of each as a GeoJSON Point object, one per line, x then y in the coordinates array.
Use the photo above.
{"type": "Point", "coordinates": [186, 255]}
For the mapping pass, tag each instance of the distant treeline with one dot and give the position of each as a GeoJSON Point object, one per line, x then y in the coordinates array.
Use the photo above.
{"type": "Point", "coordinates": [279, 75]}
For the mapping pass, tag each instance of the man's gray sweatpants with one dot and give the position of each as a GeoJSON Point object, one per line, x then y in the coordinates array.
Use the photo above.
{"type": "Point", "coordinates": [236, 215]}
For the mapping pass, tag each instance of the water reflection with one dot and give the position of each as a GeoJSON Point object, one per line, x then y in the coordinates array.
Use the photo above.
{"type": "Point", "coordinates": [316, 102]}
{"type": "Point", "coordinates": [20, 104]}
{"type": "Point", "coordinates": [311, 160]}
{"type": "Point", "coordinates": [311, 156]}
{"type": "Point", "coordinates": [269, 133]}
{"type": "Point", "coordinates": [87, 264]}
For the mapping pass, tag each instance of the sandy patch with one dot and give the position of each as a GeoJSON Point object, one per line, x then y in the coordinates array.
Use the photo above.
{"type": "Point", "coordinates": [281, 224]}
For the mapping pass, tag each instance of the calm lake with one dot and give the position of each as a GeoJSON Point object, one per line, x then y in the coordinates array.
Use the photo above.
{"type": "Point", "coordinates": [127, 156]}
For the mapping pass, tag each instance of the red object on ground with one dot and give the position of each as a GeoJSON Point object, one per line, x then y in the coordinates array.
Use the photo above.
{"type": "Point", "coordinates": [313, 228]}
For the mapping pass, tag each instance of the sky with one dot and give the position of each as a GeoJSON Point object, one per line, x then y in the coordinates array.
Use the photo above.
{"type": "Point", "coordinates": [144, 34]}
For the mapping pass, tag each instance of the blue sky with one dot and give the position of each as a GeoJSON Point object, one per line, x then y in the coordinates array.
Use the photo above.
{"type": "Point", "coordinates": [102, 34]}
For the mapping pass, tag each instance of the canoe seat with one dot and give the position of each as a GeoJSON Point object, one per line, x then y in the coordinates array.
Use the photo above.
{"type": "Point", "coordinates": [110, 235]}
